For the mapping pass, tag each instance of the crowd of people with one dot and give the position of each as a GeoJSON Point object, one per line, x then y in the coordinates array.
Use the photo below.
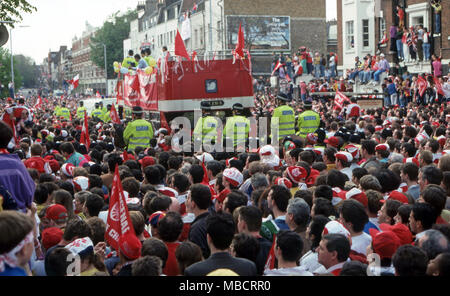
{"type": "Point", "coordinates": [365, 185]}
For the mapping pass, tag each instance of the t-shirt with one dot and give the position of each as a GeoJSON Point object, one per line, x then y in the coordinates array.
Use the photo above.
{"type": "Point", "coordinates": [360, 243]}
{"type": "Point", "coordinates": [293, 271]}
{"type": "Point", "coordinates": [13, 271]}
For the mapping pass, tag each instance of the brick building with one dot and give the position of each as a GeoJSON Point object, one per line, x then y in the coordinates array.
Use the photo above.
{"type": "Point", "coordinates": [384, 16]}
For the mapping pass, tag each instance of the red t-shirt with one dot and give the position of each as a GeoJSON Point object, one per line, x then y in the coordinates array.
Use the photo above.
{"type": "Point", "coordinates": [35, 162]}
{"type": "Point", "coordinates": [171, 268]}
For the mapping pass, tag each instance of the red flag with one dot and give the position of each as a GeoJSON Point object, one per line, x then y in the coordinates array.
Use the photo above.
{"type": "Point", "coordinates": [239, 50]}
{"type": "Point", "coordinates": [422, 84]}
{"type": "Point", "coordinates": [76, 81]}
{"type": "Point", "coordinates": [270, 262]}
{"type": "Point", "coordinates": [98, 95]}
{"type": "Point", "coordinates": [438, 84]}
{"type": "Point", "coordinates": [135, 84]}
{"type": "Point", "coordinates": [180, 48]}
{"type": "Point", "coordinates": [205, 175]}
{"type": "Point", "coordinates": [114, 116]}
{"type": "Point", "coordinates": [125, 156]}
{"type": "Point", "coordinates": [118, 222]}
{"type": "Point", "coordinates": [84, 139]}
{"type": "Point", "coordinates": [46, 101]}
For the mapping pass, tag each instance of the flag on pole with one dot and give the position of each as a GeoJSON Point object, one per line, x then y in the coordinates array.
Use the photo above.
{"type": "Point", "coordinates": [84, 139]}
{"type": "Point", "coordinates": [180, 47]}
{"type": "Point", "coordinates": [118, 222]}
{"type": "Point", "coordinates": [75, 81]}
{"type": "Point", "coordinates": [239, 50]}
{"type": "Point", "coordinates": [114, 115]}
{"type": "Point", "coordinates": [38, 103]}
{"type": "Point", "coordinates": [422, 84]}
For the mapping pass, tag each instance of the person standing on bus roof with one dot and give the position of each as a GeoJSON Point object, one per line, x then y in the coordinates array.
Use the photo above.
{"type": "Point", "coordinates": [139, 132]}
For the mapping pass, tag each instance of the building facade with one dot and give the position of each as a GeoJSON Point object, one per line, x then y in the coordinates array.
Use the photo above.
{"type": "Point", "coordinates": [383, 15]}
{"type": "Point", "coordinates": [92, 78]}
{"type": "Point", "coordinates": [213, 26]}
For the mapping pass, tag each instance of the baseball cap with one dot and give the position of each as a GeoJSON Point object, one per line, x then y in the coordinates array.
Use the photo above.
{"type": "Point", "coordinates": [382, 147]}
{"type": "Point", "coordinates": [384, 243]}
{"type": "Point", "coordinates": [147, 161]}
{"type": "Point", "coordinates": [51, 237]}
{"type": "Point", "coordinates": [82, 247]}
{"type": "Point", "coordinates": [358, 195]}
{"type": "Point", "coordinates": [411, 160]}
{"type": "Point", "coordinates": [312, 138]}
{"type": "Point", "coordinates": [205, 157]}
{"type": "Point", "coordinates": [54, 165]}
{"type": "Point", "coordinates": [156, 217]}
{"type": "Point", "coordinates": [396, 195]}
{"type": "Point", "coordinates": [353, 150]}
{"type": "Point", "coordinates": [401, 230]}
{"type": "Point", "coordinates": [333, 141]}
{"type": "Point", "coordinates": [57, 213]}
{"type": "Point", "coordinates": [337, 228]}
{"type": "Point", "coordinates": [130, 246]}
{"type": "Point", "coordinates": [344, 156]}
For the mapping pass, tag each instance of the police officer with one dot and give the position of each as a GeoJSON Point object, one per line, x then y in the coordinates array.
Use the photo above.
{"type": "Point", "coordinates": [106, 115]}
{"type": "Point", "coordinates": [286, 118]}
{"type": "Point", "coordinates": [206, 128]}
{"type": "Point", "coordinates": [63, 112]}
{"type": "Point", "coordinates": [237, 127]}
{"type": "Point", "coordinates": [97, 112]}
{"type": "Point", "coordinates": [81, 110]}
{"type": "Point", "coordinates": [308, 121]}
{"type": "Point", "coordinates": [139, 132]}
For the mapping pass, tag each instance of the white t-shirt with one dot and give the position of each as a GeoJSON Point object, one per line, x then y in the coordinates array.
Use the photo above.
{"type": "Point", "coordinates": [360, 243]}
{"type": "Point", "coordinates": [310, 261]}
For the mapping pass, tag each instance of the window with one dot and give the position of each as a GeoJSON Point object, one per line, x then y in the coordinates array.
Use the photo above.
{"type": "Point", "coordinates": [350, 35]}
{"type": "Point", "coordinates": [365, 27]}
{"type": "Point", "coordinates": [382, 27]}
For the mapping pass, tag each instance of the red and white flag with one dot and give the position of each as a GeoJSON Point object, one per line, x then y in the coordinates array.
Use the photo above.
{"type": "Point", "coordinates": [239, 50]}
{"type": "Point", "coordinates": [195, 7]}
{"type": "Point", "coordinates": [278, 66]}
{"type": "Point", "coordinates": [114, 115]}
{"type": "Point", "coordinates": [339, 99]}
{"type": "Point", "coordinates": [98, 95]}
{"type": "Point", "coordinates": [84, 139]}
{"type": "Point", "coordinates": [38, 103]}
{"type": "Point", "coordinates": [118, 222]}
{"type": "Point", "coordinates": [75, 81]}
{"type": "Point", "coordinates": [438, 84]}
{"type": "Point", "coordinates": [422, 84]}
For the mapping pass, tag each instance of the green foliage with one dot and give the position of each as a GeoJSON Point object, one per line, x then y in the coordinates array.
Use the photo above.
{"type": "Point", "coordinates": [112, 35]}
{"type": "Point", "coordinates": [5, 73]}
{"type": "Point", "coordinates": [11, 10]}
{"type": "Point", "coordinates": [26, 67]}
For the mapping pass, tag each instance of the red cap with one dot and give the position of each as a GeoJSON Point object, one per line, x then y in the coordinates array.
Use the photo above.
{"type": "Point", "coordinates": [412, 160]}
{"type": "Point", "coordinates": [344, 156]}
{"type": "Point", "coordinates": [384, 243]}
{"type": "Point", "coordinates": [130, 246]}
{"type": "Point", "coordinates": [51, 237]}
{"type": "Point", "coordinates": [401, 230]}
{"type": "Point", "coordinates": [358, 195]}
{"type": "Point", "coordinates": [333, 141]}
{"type": "Point", "coordinates": [147, 161]}
{"type": "Point", "coordinates": [57, 213]}
{"type": "Point", "coordinates": [54, 165]}
{"type": "Point", "coordinates": [396, 195]}
{"type": "Point", "coordinates": [382, 147]}
{"type": "Point", "coordinates": [156, 217]}
{"type": "Point", "coordinates": [296, 173]}
{"type": "Point", "coordinates": [283, 182]}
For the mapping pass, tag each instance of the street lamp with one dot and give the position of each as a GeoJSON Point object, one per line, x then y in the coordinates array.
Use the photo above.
{"type": "Point", "coordinates": [12, 56]}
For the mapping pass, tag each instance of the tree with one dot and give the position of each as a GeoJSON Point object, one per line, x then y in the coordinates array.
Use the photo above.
{"type": "Point", "coordinates": [5, 73]}
{"type": "Point", "coordinates": [112, 34]}
{"type": "Point", "coordinates": [11, 10]}
{"type": "Point", "coordinates": [28, 70]}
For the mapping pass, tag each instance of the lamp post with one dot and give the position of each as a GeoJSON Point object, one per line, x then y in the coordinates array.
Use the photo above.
{"type": "Point", "coordinates": [11, 50]}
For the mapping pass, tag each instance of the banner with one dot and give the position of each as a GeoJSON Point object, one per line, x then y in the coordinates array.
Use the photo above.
{"type": "Point", "coordinates": [118, 222]}
{"type": "Point", "coordinates": [367, 104]}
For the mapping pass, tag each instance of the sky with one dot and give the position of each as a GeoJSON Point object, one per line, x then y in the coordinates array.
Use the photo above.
{"type": "Point", "coordinates": [57, 22]}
